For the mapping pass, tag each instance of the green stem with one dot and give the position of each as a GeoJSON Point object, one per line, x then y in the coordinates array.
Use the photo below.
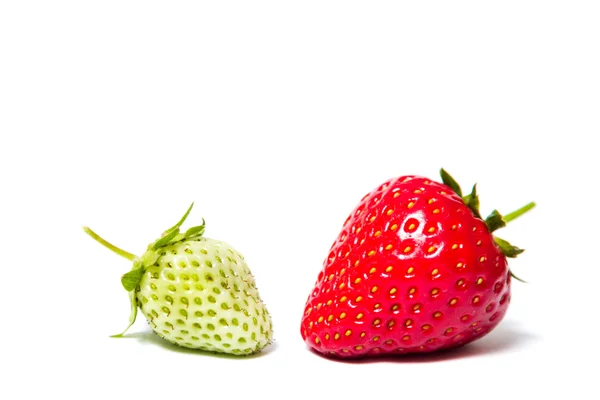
{"type": "Point", "coordinates": [97, 238]}
{"type": "Point", "coordinates": [519, 212]}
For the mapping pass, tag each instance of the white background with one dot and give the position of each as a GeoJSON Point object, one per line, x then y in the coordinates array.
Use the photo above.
{"type": "Point", "coordinates": [276, 117]}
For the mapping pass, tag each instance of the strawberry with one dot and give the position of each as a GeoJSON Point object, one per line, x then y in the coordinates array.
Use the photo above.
{"type": "Point", "coordinates": [415, 269]}
{"type": "Point", "coordinates": [196, 292]}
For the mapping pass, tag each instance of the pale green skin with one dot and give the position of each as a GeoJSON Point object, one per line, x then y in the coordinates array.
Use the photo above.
{"type": "Point", "coordinates": [195, 292]}
{"type": "Point", "coordinates": [201, 294]}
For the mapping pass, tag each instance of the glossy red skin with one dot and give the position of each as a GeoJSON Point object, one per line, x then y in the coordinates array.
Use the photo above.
{"type": "Point", "coordinates": [471, 298]}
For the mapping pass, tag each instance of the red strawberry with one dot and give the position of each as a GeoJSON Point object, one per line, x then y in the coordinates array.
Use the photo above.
{"type": "Point", "coordinates": [414, 270]}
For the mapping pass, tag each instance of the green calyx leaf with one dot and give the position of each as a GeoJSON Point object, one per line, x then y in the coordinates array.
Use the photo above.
{"type": "Point", "coordinates": [131, 279]}
{"type": "Point", "coordinates": [132, 315]}
{"type": "Point", "coordinates": [495, 221]}
{"type": "Point", "coordinates": [449, 181]}
{"type": "Point", "coordinates": [130, 282]}
{"type": "Point", "coordinates": [165, 240]}
{"type": "Point", "coordinates": [516, 277]}
{"type": "Point", "coordinates": [507, 249]}
{"type": "Point", "coordinates": [173, 235]}
{"type": "Point", "coordinates": [195, 231]}
{"type": "Point", "coordinates": [472, 201]}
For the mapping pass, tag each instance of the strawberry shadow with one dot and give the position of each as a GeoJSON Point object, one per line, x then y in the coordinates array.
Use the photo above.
{"type": "Point", "coordinates": [506, 338]}
{"type": "Point", "coordinates": [151, 338]}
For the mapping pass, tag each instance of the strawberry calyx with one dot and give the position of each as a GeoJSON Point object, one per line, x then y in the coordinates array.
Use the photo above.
{"type": "Point", "coordinates": [168, 237]}
{"type": "Point", "coordinates": [172, 235]}
{"type": "Point", "coordinates": [472, 201]}
{"type": "Point", "coordinates": [493, 221]}
{"type": "Point", "coordinates": [131, 279]}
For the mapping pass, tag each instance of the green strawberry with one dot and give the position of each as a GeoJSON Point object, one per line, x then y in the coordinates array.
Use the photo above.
{"type": "Point", "coordinates": [196, 292]}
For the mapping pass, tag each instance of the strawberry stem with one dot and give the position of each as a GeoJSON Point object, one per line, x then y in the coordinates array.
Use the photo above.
{"type": "Point", "coordinates": [517, 213]}
{"type": "Point", "coordinates": [110, 246]}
